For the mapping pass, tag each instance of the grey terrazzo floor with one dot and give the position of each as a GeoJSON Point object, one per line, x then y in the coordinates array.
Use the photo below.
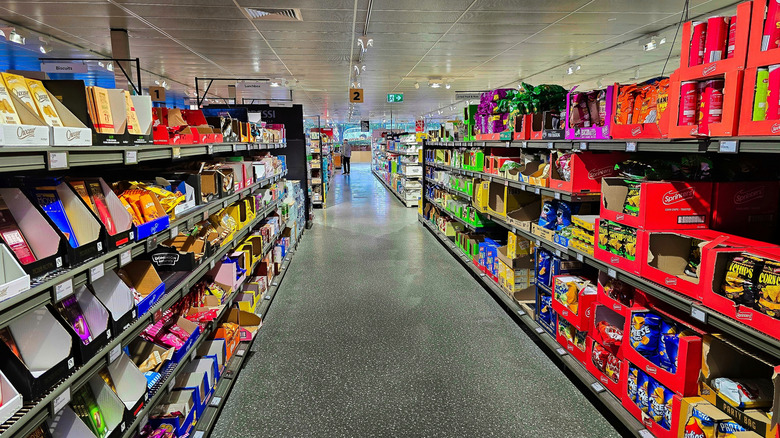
{"type": "Point", "coordinates": [378, 331]}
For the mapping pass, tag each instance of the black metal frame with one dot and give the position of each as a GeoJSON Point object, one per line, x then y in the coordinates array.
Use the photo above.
{"type": "Point", "coordinates": [211, 81]}
{"type": "Point", "coordinates": [117, 63]}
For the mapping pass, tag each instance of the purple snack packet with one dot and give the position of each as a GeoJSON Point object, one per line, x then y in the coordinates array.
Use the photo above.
{"type": "Point", "coordinates": [72, 312]}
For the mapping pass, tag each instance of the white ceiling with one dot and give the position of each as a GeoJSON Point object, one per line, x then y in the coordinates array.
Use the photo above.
{"type": "Point", "coordinates": [475, 44]}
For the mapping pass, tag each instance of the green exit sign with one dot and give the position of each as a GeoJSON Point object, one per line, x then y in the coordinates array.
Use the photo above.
{"type": "Point", "coordinates": [393, 98]}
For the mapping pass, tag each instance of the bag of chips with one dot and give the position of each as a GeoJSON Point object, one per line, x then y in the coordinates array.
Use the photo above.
{"type": "Point", "coordinates": [726, 429]}
{"type": "Point", "coordinates": [613, 368]}
{"type": "Point", "coordinates": [633, 382]}
{"type": "Point", "coordinates": [600, 356]}
{"type": "Point", "coordinates": [563, 217]}
{"type": "Point", "coordinates": [699, 425]}
{"type": "Point", "coordinates": [543, 267]}
{"type": "Point", "coordinates": [739, 284]}
{"type": "Point", "coordinates": [643, 392]}
{"type": "Point", "coordinates": [625, 104]}
{"type": "Point", "coordinates": [745, 393]}
{"type": "Point", "coordinates": [549, 217]}
{"type": "Point", "coordinates": [657, 402]}
{"type": "Point", "coordinates": [610, 335]}
{"type": "Point", "coordinates": [768, 286]}
{"type": "Point", "coordinates": [645, 331]}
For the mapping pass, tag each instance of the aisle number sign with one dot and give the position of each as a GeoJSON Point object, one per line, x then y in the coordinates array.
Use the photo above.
{"type": "Point", "coordinates": [356, 95]}
{"type": "Point", "coordinates": [396, 97]}
{"type": "Point", "coordinates": [157, 93]}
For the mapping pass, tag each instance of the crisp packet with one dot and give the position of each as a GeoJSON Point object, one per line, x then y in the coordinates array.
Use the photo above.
{"type": "Point", "coordinates": [645, 331]}
{"type": "Point", "coordinates": [745, 393]}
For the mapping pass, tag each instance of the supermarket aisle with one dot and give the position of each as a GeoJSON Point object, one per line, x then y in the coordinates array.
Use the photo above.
{"type": "Point", "coordinates": [377, 331]}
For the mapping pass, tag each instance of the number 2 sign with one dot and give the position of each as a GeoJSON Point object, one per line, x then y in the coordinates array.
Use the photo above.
{"type": "Point", "coordinates": [356, 95]}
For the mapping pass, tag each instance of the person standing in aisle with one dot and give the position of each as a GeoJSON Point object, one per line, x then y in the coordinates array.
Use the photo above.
{"type": "Point", "coordinates": [346, 154]}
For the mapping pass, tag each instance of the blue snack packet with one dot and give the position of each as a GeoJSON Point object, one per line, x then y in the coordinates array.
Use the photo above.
{"type": "Point", "coordinates": [667, 347]}
{"type": "Point", "coordinates": [546, 311]}
{"type": "Point", "coordinates": [633, 381]}
{"type": "Point", "coordinates": [727, 428]}
{"type": "Point", "coordinates": [549, 215]}
{"type": "Point", "coordinates": [563, 216]}
{"type": "Point", "coordinates": [642, 391]}
{"type": "Point", "coordinates": [543, 267]}
{"type": "Point", "coordinates": [666, 422]}
{"type": "Point", "coordinates": [645, 333]}
{"type": "Point", "coordinates": [656, 394]}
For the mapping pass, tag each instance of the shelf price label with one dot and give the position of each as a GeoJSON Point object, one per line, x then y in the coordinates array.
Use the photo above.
{"type": "Point", "coordinates": [560, 351]}
{"type": "Point", "coordinates": [114, 353]}
{"type": "Point", "coordinates": [583, 145]}
{"type": "Point", "coordinates": [630, 146]}
{"type": "Point", "coordinates": [96, 272]}
{"type": "Point", "coordinates": [728, 147]}
{"type": "Point", "coordinates": [63, 290]}
{"type": "Point", "coordinates": [60, 401]}
{"type": "Point", "coordinates": [131, 157]}
{"type": "Point", "coordinates": [57, 160]}
{"type": "Point", "coordinates": [539, 330]}
{"type": "Point", "coordinates": [176, 152]}
{"type": "Point", "coordinates": [612, 273]}
{"type": "Point", "coordinates": [550, 145]}
{"type": "Point", "coordinates": [598, 387]}
{"type": "Point", "coordinates": [699, 314]}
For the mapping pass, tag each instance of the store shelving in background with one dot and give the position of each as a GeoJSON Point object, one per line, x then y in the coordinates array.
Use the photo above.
{"type": "Point", "coordinates": [395, 161]}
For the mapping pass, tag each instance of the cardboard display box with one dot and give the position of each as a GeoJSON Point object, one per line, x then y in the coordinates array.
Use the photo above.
{"type": "Point", "coordinates": [656, 429]}
{"type": "Point", "coordinates": [130, 385]}
{"type": "Point", "coordinates": [577, 347]}
{"type": "Point", "coordinates": [146, 282]}
{"type": "Point", "coordinates": [32, 132]}
{"type": "Point", "coordinates": [629, 238]}
{"type": "Point", "coordinates": [13, 279]}
{"type": "Point", "coordinates": [110, 405]}
{"type": "Point", "coordinates": [593, 132]}
{"type": "Point", "coordinates": [586, 171]}
{"type": "Point", "coordinates": [583, 294]}
{"type": "Point", "coordinates": [46, 353]}
{"type": "Point", "coordinates": [662, 205]}
{"type": "Point", "coordinates": [96, 317]}
{"type": "Point", "coordinates": [178, 410]}
{"type": "Point", "coordinates": [544, 126]}
{"type": "Point", "coordinates": [66, 424]}
{"type": "Point", "coordinates": [612, 385]}
{"type": "Point", "coordinates": [635, 296]}
{"type": "Point", "coordinates": [752, 203]}
{"type": "Point", "coordinates": [12, 400]}
{"type": "Point", "coordinates": [723, 358]}
{"type": "Point", "coordinates": [117, 298]}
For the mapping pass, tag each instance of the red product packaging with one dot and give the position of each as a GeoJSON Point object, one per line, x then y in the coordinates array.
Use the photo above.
{"type": "Point", "coordinates": [773, 95]}
{"type": "Point", "coordinates": [699, 34]}
{"type": "Point", "coordinates": [562, 335]}
{"type": "Point", "coordinates": [663, 205]}
{"type": "Point", "coordinates": [715, 299]}
{"type": "Point", "coordinates": [771, 35]}
{"type": "Point", "coordinates": [607, 328]}
{"type": "Point", "coordinates": [747, 209]}
{"type": "Point", "coordinates": [716, 39]}
{"type": "Point", "coordinates": [630, 264]}
{"type": "Point", "coordinates": [689, 102]}
{"type": "Point", "coordinates": [586, 169]}
{"type": "Point", "coordinates": [732, 37]}
{"type": "Point", "coordinates": [654, 428]}
{"type": "Point", "coordinates": [585, 297]}
{"type": "Point", "coordinates": [604, 366]}
{"type": "Point", "coordinates": [618, 296]}
{"type": "Point", "coordinates": [712, 103]}
{"type": "Point", "coordinates": [685, 379]}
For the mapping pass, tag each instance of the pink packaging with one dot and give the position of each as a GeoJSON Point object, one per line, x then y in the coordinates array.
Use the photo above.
{"type": "Point", "coordinates": [771, 26]}
{"type": "Point", "coordinates": [589, 132]}
{"type": "Point", "coordinates": [698, 35]}
{"type": "Point", "coordinates": [716, 39]}
{"type": "Point", "coordinates": [732, 37]}
{"type": "Point", "coordinates": [689, 103]}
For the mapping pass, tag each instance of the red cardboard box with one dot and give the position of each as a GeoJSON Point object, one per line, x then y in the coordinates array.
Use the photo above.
{"type": "Point", "coordinates": [732, 99]}
{"type": "Point", "coordinates": [748, 209]}
{"type": "Point", "coordinates": [586, 296]}
{"type": "Point", "coordinates": [685, 380]}
{"type": "Point", "coordinates": [632, 266]}
{"type": "Point", "coordinates": [719, 259]}
{"type": "Point", "coordinates": [663, 205]}
{"type": "Point", "coordinates": [606, 381]}
{"type": "Point", "coordinates": [587, 170]}
{"type": "Point", "coordinates": [656, 429]}
{"type": "Point", "coordinates": [578, 352]}
{"type": "Point", "coordinates": [637, 297]}
{"type": "Point", "coordinates": [747, 126]}
{"type": "Point", "coordinates": [736, 62]}
{"type": "Point", "coordinates": [630, 131]}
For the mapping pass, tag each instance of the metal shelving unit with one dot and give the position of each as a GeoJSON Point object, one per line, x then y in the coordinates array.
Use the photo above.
{"type": "Point", "coordinates": [208, 419]}
{"type": "Point", "coordinates": [33, 414]}
{"type": "Point", "coordinates": [18, 159]}
{"type": "Point", "coordinates": [392, 190]}
{"type": "Point", "coordinates": [577, 371]}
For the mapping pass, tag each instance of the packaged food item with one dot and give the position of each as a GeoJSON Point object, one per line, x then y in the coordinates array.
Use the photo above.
{"type": "Point", "coordinates": [549, 217]}
{"type": "Point", "coordinates": [744, 393]}
{"type": "Point", "coordinates": [603, 242]}
{"type": "Point", "coordinates": [612, 369]}
{"type": "Point", "coordinates": [716, 39]}
{"type": "Point", "coordinates": [698, 37]}
{"type": "Point", "coordinates": [645, 331]}
{"type": "Point", "coordinates": [771, 35]}
{"type": "Point", "coordinates": [669, 411]}
{"type": "Point", "coordinates": [7, 337]}
{"type": "Point", "coordinates": [18, 86]}
{"type": "Point", "coordinates": [133, 125]}
{"type": "Point", "coordinates": [643, 392]}
{"type": "Point", "coordinates": [732, 41]}
{"type": "Point", "coordinates": [70, 309]}
{"type": "Point", "coordinates": [689, 98]}
{"type": "Point", "coordinates": [13, 237]}
{"type": "Point", "coordinates": [619, 291]}
{"type": "Point", "coordinates": [593, 108]}
{"type": "Point", "coordinates": [98, 201]}
{"type": "Point", "coordinates": [712, 99]}
{"type": "Point", "coordinates": [768, 286]}
{"type": "Point", "coordinates": [50, 203]}
{"type": "Point", "coordinates": [563, 166]}
{"type": "Point", "coordinates": [625, 104]}
{"type": "Point", "coordinates": [600, 356]}
{"type": "Point", "coordinates": [726, 429]}
{"type": "Point", "coordinates": [611, 336]}
{"type": "Point", "coordinates": [694, 259]}
{"type": "Point", "coordinates": [699, 425]}
{"type": "Point", "coordinates": [739, 283]}
{"type": "Point", "coordinates": [87, 408]}
{"type": "Point", "coordinates": [8, 114]}
{"type": "Point", "coordinates": [773, 93]}
{"type": "Point", "coordinates": [761, 94]}
{"type": "Point", "coordinates": [563, 217]}
{"type": "Point", "coordinates": [43, 102]}
{"type": "Point", "coordinates": [663, 97]}
{"type": "Point", "coordinates": [657, 402]}
{"type": "Point", "coordinates": [546, 313]}
{"type": "Point", "coordinates": [633, 382]}
{"type": "Point", "coordinates": [668, 346]}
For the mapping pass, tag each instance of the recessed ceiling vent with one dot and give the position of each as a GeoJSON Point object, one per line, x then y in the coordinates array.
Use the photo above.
{"type": "Point", "coordinates": [274, 14]}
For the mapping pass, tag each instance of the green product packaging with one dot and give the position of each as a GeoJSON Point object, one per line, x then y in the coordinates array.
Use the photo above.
{"type": "Point", "coordinates": [762, 93]}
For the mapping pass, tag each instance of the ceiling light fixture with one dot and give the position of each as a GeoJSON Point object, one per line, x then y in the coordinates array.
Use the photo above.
{"type": "Point", "coordinates": [416, 85]}
{"type": "Point", "coordinates": [365, 42]}
{"type": "Point", "coordinates": [44, 49]}
{"type": "Point", "coordinates": [14, 37]}
{"type": "Point", "coordinates": [275, 84]}
{"type": "Point", "coordinates": [100, 64]}
{"type": "Point", "coordinates": [653, 43]}
{"type": "Point", "coordinates": [573, 68]}
{"type": "Point", "coordinates": [110, 66]}
{"type": "Point", "coordinates": [165, 85]}
{"type": "Point", "coordinates": [157, 83]}
{"type": "Point", "coordinates": [447, 85]}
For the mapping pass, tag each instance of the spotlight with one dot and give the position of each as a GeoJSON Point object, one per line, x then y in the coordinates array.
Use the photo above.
{"type": "Point", "coordinates": [165, 85]}
{"type": "Point", "coordinates": [110, 66]}
{"type": "Point", "coordinates": [274, 84]}
{"type": "Point", "coordinates": [416, 85]}
{"type": "Point", "coordinates": [573, 68]}
{"type": "Point", "coordinates": [16, 38]}
{"type": "Point", "coordinates": [44, 49]}
{"type": "Point", "coordinates": [447, 85]}
{"type": "Point", "coordinates": [100, 64]}
{"type": "Point", "coordinates": [156, 82]}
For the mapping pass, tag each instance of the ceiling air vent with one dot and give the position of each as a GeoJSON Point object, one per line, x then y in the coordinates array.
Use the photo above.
{"type": "Point", "coordinates": [274, 14]}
